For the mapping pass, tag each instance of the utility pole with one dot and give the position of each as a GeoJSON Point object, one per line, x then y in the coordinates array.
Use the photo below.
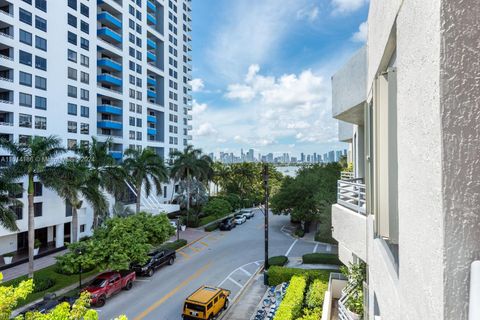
{"type": "Point", "coordinates": [265, 186]}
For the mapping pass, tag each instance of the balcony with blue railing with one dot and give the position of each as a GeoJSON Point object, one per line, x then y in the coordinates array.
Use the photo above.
{"type": "Point", "coordinates": [109, 20]}
{"type": "Point", "coordinates": [109, 109]}
{"type": "Point", "coordinates": [110, 124]}
{"type": "Point", "coordinates": [109, 35]}
{"type": "Point", "coordinates": [151, 19]}
{"type": "Point", "coordinates": [151, 81]}
{"type": "Point", "coordinates": [117, 155]}
{"type": "Point", "coordinates": [109, 64]}
{"type": "Point", "coordinates": [109, 79]}
{"type": "Point", "coordinates": [152, 131]}
{"type": "Point", "coordinates": [151, 5]}
{"type": "Point", "coordinates": [151, 56]}
{"type": "Point", "coordinates": [151, 94]}
{"type": "Point", "coordinates": [151, 44]}
{"type": "Point", "coordinates": [152, 119]}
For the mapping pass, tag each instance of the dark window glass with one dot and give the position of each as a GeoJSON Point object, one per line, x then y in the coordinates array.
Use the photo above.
{"type": "Point", "coordinates": [41, 5]}
{"type": "Point", "coordinates": [25, 37]}
{"type": "Point", "coordinates": [72, 109]}
{"type": "Point", "coordinates": [72, 4]}
{"type": "Point", "coordinates": [84, 10]}
{"type": "Point", "coordinates": [40, 83]}
{"type": "Point", "coordinates": [72, 20]}
{"type": "Point", "coordinates": [25, 58]}
{"type": "Point", "coordinates": [84, 27]}
{"type": "Point", "coordinates": [37, 209]}
{"type": "Point", "coordinates": [72, 56]}
{"type": "Point", "coordinates": [18, 210]}
{"type": "Point", "coordinates": [72, 38]}
{"type": "Point", "coordinates": [40, 23]}
{"type": "Point", "coordinates": [84, 43]}
{"type": "Point", "coordinates": [40, 103]}
{"type": "Point", "coordinates": [40, 63]}
{"type": "Point", "coordinates": [84, 111]}
{"type": "Point", "coordinates": [25, 79]}
{"type": "Point", "coordinates": [37, 189]}
{"type": "Point", "coordinates": [25, 16]}
{"type": "Point", "coordinates": [40, 43]}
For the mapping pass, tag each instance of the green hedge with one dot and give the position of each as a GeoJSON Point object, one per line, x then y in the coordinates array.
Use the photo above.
{"type": "Point", "coordinates": [43, 283]}
{"type": "Point", "coordinates": [291, 306]}
{"type": "Point", "coordinates": [299, 232]}
{"type": "Point", "coordinates": [212, 227]}
{"type": "Point", "coordinates": [177, 244]}
{"type": "Point", "coordinates": [316, 294]}
{"type": "Point", "coordinates": [277, 275]}
{"type": "Point", "coordinates": [321, 258]}
{"type": "Point", "coordinates": [217, 207]}
{"type": "Point", "coordinates": [311, 314]}
{"type": "Point", "coordinates": [277, 261]}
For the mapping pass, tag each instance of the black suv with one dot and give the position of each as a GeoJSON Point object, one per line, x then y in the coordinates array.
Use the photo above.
{"type": "Point", "coordinates": [156, 260]}
{"type": "Point", "coordinates": [227, 224]}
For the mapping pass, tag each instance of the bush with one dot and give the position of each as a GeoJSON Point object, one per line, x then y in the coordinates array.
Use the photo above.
{"type": "Point", "coordinates": [291, 306]}
{"type": "Point", "coordinates": [299, 232]}
{"type": "Point", "coordinates": [321, 258]}
{"type": "Point", "coordinates": [177, 244]}
{"type": "Point", "coordinates": [217, 207]}
{"type": "Point", "coordinates": [311, 314]}
{"type": "Point", "coordinates": [277, 275]}
{"type": "Point", "coordinates": [233, 199]}
{"type": "Point", "coordinates": [43, 283]}
{"type": "Point", "coordinates": [206, 220]}
{"type": "Point", "coordinates": [316, 294]}
{"type": "Point", "coordinates": [277, 261]}
{"type": "Point", "coordinates": [212, 227]}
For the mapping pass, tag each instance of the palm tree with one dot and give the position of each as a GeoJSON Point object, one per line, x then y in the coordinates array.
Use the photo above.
{"type": "Point", "coordinates": [8, 219]}
{"type": "Point", "coordinates": [33, 159]}
{"type": "Point", "coordinates": [105, 173]}
{"type": "Point", "coordinates": [222, 175]}
{"type": "Point", "coordinates": [190, 164]}
{"type": "Point", "coordinates": [77, 181]}
{"type": "Point", "coordinates": [144, 168]}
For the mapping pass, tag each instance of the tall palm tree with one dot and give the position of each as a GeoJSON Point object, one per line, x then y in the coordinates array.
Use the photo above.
{"type": "Point", "coordinates": [77, 182]}
{"type": "Point", "coordinates": [8, 219]}
{"type": "Point", "coordinates": [33, 159]}
{"type": "Point", "coordinates": [190, 164]}
{"type": "Point", "coordinates": [144, 169]}
{"type": "Point", "coordinates": [105, 172]}
{"type": "Point", "coordinates": [222, 174]}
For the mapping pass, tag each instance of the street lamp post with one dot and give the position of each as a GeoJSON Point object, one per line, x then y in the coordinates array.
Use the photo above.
{"type": "Point", "coordinates": [79, 252]}
{"type": "Point", "coordinates": [265, 185]}
{"type": "Point", "coordinates": [178, 228]}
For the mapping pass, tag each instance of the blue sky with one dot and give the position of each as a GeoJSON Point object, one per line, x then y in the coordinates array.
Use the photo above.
{"type": "Point", "coordinates": [262, 68]}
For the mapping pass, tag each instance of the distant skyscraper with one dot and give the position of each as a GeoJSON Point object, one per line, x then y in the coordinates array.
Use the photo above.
{"type": "Point", "coordinates": [331, 156]}
{"type": "Point", "coordinates": [302, 157]}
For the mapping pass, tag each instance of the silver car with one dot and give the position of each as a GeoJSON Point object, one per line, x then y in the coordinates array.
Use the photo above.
{"type": "Point", "coordinates": [240, 218]}
{"type": "Point", "coordinates": [248, 213]}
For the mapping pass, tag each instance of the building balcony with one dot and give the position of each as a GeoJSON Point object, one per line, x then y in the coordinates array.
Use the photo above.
{"type": "Point", "coordinates": [151, 81]}
{"type": "Point", "coordinates": [189, 137]}
{"type": "Point", "coordinates": [117, 155]}
{"type": "Point", "coordinates": [109, 35]}
{"type": "Point", "coordinates": [151, 6]}
{"type": "Point", "coordinates": [151, 94]}
{"type": "Point", "coordinates": [189, 127]}
{"type": "Point", "coordinates": [349, 220]}
{"type": "Point", "coordinates": [189, 117]}
{"type": "Point", "coordinates": [109, 20]}
{"type": "Point", "coordinates": [349, 89]}
{"type": "Point", "coordinates": [152, 131]}
{"type": "Point", "coordinates": [152, 119]}
{"type": "Point", "coordinates": [109, 79]}
{"type": "Point", "coordinates": [151, 19]}
{"type": "Point", "coordinates": [109, 109]}
{"type": "Point", "coordinates": [109, 64]}
{"type": "Point", "coordinates": [151, 44]}
{"type": "Point", "coordinates": [151, 56]}
{"type": "Point", "coordinates": [109, 124]}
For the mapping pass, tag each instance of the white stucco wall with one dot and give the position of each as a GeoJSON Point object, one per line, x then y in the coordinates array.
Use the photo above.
{"type": "Point", "coordinates": [349, 229]}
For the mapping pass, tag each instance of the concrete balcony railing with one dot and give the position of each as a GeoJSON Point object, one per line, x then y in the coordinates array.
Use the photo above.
{"type": "Point", "coordinates": [347, 175]}
{"type": "Point", "coordinates": [351, 194]}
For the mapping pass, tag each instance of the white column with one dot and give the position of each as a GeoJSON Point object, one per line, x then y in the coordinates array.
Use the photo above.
{"type": "Point", "coordinates": [59, 235]}
{"type": "Point", "coordinates": [49, 234]}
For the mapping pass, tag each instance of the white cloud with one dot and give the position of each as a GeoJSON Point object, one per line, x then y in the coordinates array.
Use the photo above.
{"type": "Point", "coordinates": [361, 34]}
{"type": "Point", "coordinates": [241, 92]}
{"type": "Point", "coordinates": [347, 6]}
{"type": "Point", "coordinates": [205, 129]}
{"type": "Point", "coordinates": [310, 14]}
{"type": "Point", "coordinates": [198, 108]}
{"type": "Point", "coordinates": [197, 84]}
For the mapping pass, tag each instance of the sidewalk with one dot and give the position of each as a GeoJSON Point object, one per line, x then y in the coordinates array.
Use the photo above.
{"type": "Point", "coordinates": [40, 263]}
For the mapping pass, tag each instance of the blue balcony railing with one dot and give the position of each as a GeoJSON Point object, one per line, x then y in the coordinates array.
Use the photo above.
{"type": "Point", "coordinates": [151, 19]}
{"type": "Point", "coordinates": [151, 81]}
{"type": "Point", "coordinates": [152, 131]}
{"type": "Point", "coordinates": [109, 34]}
{"type": "Point", "coordinates": [109, 19]}
{"type": "Point", "coordinates": [151, 56]}
{"type": "Point", "coordinates": [108, 109]}
{"type": "Point", "coordinates": [152, 119]}
{"type": "Point", "coordinates": [151, 6]}
{"type": "Point", "coordinates": [109, 124]}
{"type": "Point", "coordinates": [151, 94]}
{"type": "Point", "coordinates": [117, 155]}
{"type": "Point", "coordinates": [109, 64]}
{"type": "Point", "coordinates": [151, 44]}
{"type": "Point", "coordinates": [107, 78]}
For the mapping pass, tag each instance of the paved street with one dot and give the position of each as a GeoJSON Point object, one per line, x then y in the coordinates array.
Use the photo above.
{"type": "Point", "coordinates": [224, 258]}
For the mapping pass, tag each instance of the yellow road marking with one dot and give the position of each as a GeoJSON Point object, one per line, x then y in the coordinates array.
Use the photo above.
{"type": "Point", "coordinates": [213, 238]}
{"type": "Point", "coordinates": [186, 256]}
{"type": "Point", "coordinates": [171, 293]}
{"type": "Point", "coordinates": [204, 243]}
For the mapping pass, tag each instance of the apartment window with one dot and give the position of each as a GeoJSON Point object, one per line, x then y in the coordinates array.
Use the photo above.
{"type": "Point", "coordinates": [72, 126]}
{"type": "Point", "coordinates": [38, 209]}
{"type": "Point", "coordinates": [24, 139]}
{"type": "Point", "coordinates": [82, 228]}
{"type": "Point", "coordinates": [131, 135]}
{"type": "Point", "coordinates": [40, 43]}
{"type": "Point", "coordinates": [139, 136]}
{"type": "Point", "coordinates": [25, 99]}
{"type": "Point", "coordinates": [40, 23]}
{"type": "Point", "coordinates": [72, 109]}
{"type": "Point", "coordinates": [84, 128]}
{"type": "Point", "coordinates": [72, 20]}
{"type": "Point", "coordinates": [25, 79]}
{"type": "Point", "coordinates": [84, 27]}
{"type": "Point", "coordinates": [84, 10]}
{"type": "Point", "coordinates": [18, 210]}
{"type": "Point", "coordinates": [25, 120]}
{"type": "Point", "coordinates": [139, 109]}
{"type": "Point", "coordinates": [25, 58]}
{"type": "Point", "coordinates": [84, 60]}
{"type": "Point", "coordinates": [131, 93]}
{"type": "Point", "coordinates": [84, 94]}
{"type": "Point", "coordinates": [84, 111]}
{"type": "Point", "coordinates": [72, 55]}
{"type": "Point", "coordinates": [25, 37]}
{"type": "Point", "coordinates": [84, 77]}
{"type": "Point", "coordinates": [40, 103]}
{"type": "Point", "coordinates": [25, 16]}
{"type": "Point", "coordinates": [40, 83]}
{"type": "Point", "coordinates": [72, 91]}
{"type": "Point", "coordinates": [84, 43]}
{"type": "Point", "coordinates": [131, 121]}
{"type": "Point", "coordinates": [139, 122]}
{"type": "Point", "coordinates": [40, 123]}
{"type": "Point", "coordinates": [41, 5]}
{"type": "Point", "coordinates": [131, 24]}
{"type": "Point", "coordinates": [72, 73]}
{"type": "Point", "coordinates": [72, 4]}
{"type": "Point", "coordinates": [40, 63]}
{"type": "Point", "coordinates": [71, 144]}
{"type": "Point", "coordinates": [37, 189]}
{"type": "Point", "coordinates": [72, 38]}
{"type": "Point", "coordinates": [131, 79]}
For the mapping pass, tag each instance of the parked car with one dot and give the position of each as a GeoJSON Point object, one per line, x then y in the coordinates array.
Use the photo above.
{"type": "Point", "coordinates": [249, 213]}
{"type": "Point", "coordinates": [227, 224]}
{"type": "Point", "coordinates": [109, 283]}
{"type": "Point", "coordinates": [240, 218]}
{"type": "Point", "coordinates": [156, 259]}
{"type": "Point", "coordinates": [205, 303]}
{"type": "Point", "coordinates": [49, 302]}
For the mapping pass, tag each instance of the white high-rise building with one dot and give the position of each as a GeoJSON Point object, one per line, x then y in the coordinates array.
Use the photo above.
{"type": "Point", "coordinates": [77, 68]}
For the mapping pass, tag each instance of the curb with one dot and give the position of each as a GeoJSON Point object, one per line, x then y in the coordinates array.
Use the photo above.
{"type": "Point", "coordinates": [191, 243]}
{"type": "Point", "coordinates": [241, 292]}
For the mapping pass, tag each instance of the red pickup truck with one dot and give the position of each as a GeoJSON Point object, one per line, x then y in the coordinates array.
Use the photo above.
{"type": "Point", "coordinates": [109, 283]}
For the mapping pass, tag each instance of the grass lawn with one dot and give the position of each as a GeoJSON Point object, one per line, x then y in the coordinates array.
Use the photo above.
{"type": "Point", "coordinates": [62, 281]}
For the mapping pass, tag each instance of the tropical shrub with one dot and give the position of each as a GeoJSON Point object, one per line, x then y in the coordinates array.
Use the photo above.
{"type": "Point", "coordinates": [70, 262]}
{"type": "Point", "coordinates": [316, 294]}
{"type": "Point", "coordinates": [212, 227]}
{"type": "Point", "coordinates": [277, 275]}
{"type": "Point", "coordinates": [291, 306]}
{"type": "Point", "coordinates": [299, 232]}
{"type": "Point", "coordinates": [217, 207]}
{"type": "Point", "coordinates": [177, 244]}
{"type": "Point", "coordinates": [311, 314]}
{"type": "Point", "coordinates": [43, 283]}
{"type": "Point", "coordinates": [321, 258]}
{"type": "Point", "coordinates": [356, 275]}
{"type": "Point", "coordinates": [277, 261]}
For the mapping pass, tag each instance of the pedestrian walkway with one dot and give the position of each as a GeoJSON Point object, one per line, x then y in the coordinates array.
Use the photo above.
{"type": "Point", "coordinates": [43, 262]}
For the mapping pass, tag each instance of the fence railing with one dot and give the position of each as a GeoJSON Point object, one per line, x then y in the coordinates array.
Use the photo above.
{"type": "Point", "coordinates": [351, 194]}
{"type": "Point", "coordinates": [347, 175]}
{"type": "Point", "coordinates": [343, 312]}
